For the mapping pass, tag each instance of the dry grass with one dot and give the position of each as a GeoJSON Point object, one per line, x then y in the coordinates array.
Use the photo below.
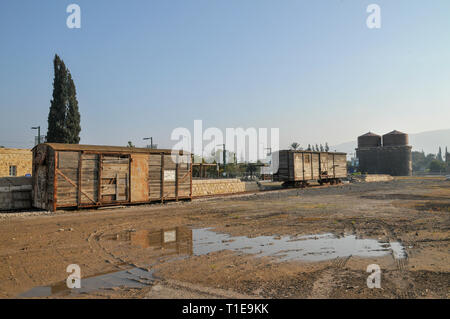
{"type": "Point", "coordinates": [419, 177]}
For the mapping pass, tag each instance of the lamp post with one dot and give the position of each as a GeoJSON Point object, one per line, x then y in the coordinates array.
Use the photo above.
{"type": "Point", "coordinates": [224, 158]}
{"type": "Point", "coordinates": [151, 140]}
{"type": "Point", "coordinates": [39, 133]}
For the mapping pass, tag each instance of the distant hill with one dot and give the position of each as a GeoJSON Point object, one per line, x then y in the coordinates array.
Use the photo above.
{"type": "Point", "coordinates": [428, 141]}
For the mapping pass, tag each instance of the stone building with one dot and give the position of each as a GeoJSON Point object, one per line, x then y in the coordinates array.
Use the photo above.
{"type": "Point", "coordinates": [389, 154]}
{"type": "Point", "coordinates": [15, 162]}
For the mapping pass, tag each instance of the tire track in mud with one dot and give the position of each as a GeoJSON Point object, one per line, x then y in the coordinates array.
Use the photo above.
{"type": "Point", "coordinates": [400, 263]}
{"type": "Point", "coordinates": [97, 249]}
{"type": "Point", "coordinates": [326, 283]}
{"type": "Point", "coordinates": [94, 240]}
{"type": "Point", "coordinates": [340, 262]}
{"type": "Point", "coordinates": [28, 275]}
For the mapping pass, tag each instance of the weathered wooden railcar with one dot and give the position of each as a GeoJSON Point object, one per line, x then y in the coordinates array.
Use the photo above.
{"type": "Point", "coordinates": [297, 168]}
{"type": "Point", "coordinates": [70, 175]}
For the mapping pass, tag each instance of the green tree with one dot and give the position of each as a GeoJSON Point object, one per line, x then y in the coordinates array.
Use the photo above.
{"type": "Point", "coordinates": [63, 116]}
{"type": "Point", "coordinates": [327, 148]}
{"type": "Point", "coordinates": [439, 155]}
{"type": "Point", "coordinates": [57, 114]}
{"type": "Point", "coordinates": [419, 161]}
{"type": "Point", "coordinates": [251, 168]}
{"type": "Point", "coordinates": [437, 166]}
{"type": "Point", "coordinates": [295, 146]}
{"type": "Point", "coordinates": [130, 144]}
{"type": "Point", "coordinates": [73, 114]}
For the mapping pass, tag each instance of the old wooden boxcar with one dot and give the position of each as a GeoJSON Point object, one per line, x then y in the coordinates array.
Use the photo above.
{"type": "Point", "coordinates": [69, 175]}
{"type": "Point", "coordinates": [297, 168]}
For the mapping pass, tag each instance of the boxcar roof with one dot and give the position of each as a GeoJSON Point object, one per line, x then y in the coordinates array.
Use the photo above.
{"type": "Point", "coordinates": [104, 148]}
{"type": "Point", "coordinates": [317, 152]}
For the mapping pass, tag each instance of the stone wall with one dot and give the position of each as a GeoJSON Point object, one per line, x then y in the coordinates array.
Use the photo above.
{"type": "Point", "coordinates": [377, 178]}
{"type": "Point", "coordinates": [21, 158]}
{"type": "Point", "coordinates": [15, 193]}
{"type": "Point", "coordinates": [205, 187]}
{"type": "Point", "coordinates": [372, 178]}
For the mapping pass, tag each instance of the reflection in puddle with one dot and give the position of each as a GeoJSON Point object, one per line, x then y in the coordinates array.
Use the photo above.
{"type": "Point", "coordinates": [182, 242]}
{"type": "Point", "coordinates": [163, 242]}
{"type": "Point", "coordinates": [176, 242]}
{"type": "Point", "coordinates": [305, 248]}
{"type": "Point", "coordinates": [131, 278]}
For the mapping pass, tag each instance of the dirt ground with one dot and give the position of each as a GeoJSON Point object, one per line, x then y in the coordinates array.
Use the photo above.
{"type": "Point", "coordinates": [36, 247]}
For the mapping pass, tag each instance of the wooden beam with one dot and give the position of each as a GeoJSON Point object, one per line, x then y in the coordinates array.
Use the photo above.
{"type": "Point", "coordinates": [176, 178]}
{"type": "Point", "coordinates": [55, 179]}
{"type": "Point", "coordinates": [73, 184]}
{"type": "Point", "coordinates": [190, 174]}
{"type": "Point", "coordinates": [99, 184]}
{"type": "Point", "coordinates": [80, 166]}
{"type": "Point", "coordinates": [162, 177]}
{"type": "Point", "coordinates": [129, 178]}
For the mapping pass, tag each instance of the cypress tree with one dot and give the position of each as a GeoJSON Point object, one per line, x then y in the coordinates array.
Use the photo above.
{"type": "Point", "coordinates": [64, 116]}
{"type": "Point", "coordinates": [439, 155]}
{"type": "Point", "coordinates": [57, 113]}
{"type": "Point", "coordinates": [73, 115]}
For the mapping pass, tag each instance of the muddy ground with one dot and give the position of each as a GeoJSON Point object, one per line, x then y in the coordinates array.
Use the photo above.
{"type": "Point", "coordinates": [154, 251]}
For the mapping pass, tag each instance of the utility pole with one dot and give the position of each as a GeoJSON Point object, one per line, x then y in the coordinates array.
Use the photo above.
{"type": "Point", "coordinates": [39, 133]}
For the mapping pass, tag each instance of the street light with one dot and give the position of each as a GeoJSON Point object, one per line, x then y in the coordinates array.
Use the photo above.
{"type": "Point", "coordinates": [151, 140]}
{"type": "Point", "coordinates": [39, 133]}
{"type": "Point", "coordinates": [224, 158]}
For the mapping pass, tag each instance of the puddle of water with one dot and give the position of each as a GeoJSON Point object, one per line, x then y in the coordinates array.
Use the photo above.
{"type": "Point", "coordinates": [182, 242]}
{"type": "Point", "coordinates": [173, 243]}
{"type": "Point", "coordinates": [398, 250]}
{"type": "Point", "coordinates": [305, 248]}
{"type": "Point", "coordinates": [162, 242]}
{"type": "Point", "coordinates": [131, 278]}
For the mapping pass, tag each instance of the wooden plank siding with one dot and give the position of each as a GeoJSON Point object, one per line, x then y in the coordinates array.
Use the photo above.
{"type": "Point", "coordinates": [308, 165]}
{"type": "Point", "coordinates": [91, 178]}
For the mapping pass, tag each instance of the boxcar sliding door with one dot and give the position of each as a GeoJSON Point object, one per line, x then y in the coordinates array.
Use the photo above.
{"type": "Point", "coordinates": [115, 178]}
{"type": "Point", "coordinates": [307, 168]}
{"type": "Point", "coordinates": [139, 178]}
{"type": "Point", "coordinates": [324, 168]}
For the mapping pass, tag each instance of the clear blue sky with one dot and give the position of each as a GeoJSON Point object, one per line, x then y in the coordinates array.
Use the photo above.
{"type": "Point", "coordinates": [311, 68]}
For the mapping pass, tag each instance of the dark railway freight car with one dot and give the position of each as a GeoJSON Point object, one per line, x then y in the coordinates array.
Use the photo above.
{"type": "Point", "coordinates": [297, 168]}
{"type": "Point", "coordinates": [70, 175]}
